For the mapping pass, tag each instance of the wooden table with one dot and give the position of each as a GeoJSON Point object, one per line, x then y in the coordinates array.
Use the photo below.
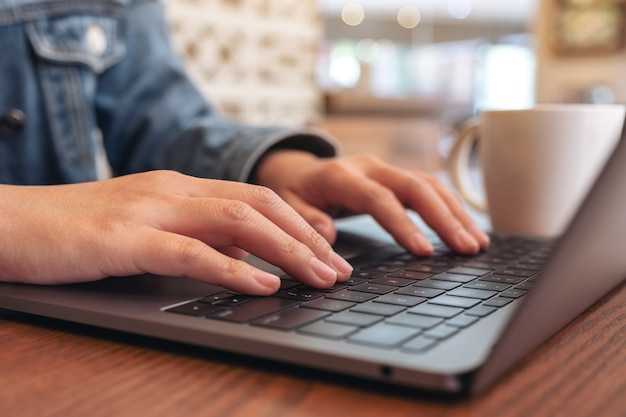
{"type": "Point", "coordinates": [53, 368]}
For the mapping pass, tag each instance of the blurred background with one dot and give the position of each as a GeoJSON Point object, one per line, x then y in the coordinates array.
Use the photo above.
{"type": "Point", "coordinates": [395, 77]}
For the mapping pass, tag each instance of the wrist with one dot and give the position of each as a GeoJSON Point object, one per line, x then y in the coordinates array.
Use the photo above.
{"type": "Point", "coordinates": [279, 163]}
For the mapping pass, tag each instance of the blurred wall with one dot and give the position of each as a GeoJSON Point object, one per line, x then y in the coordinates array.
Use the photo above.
{"type": "Point", "coordinates": [255, 59]}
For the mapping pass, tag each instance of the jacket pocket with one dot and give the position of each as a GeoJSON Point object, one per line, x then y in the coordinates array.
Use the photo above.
{"type": "Point", "coordinates": [92, 41]}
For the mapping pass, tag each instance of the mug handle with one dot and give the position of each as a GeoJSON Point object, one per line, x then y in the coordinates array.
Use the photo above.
{"type": "Point", "coordinates": [458, 165]}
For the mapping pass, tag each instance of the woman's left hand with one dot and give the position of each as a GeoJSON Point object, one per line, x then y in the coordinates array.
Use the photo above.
{"type": "Point", "coordinates": [320, 188]}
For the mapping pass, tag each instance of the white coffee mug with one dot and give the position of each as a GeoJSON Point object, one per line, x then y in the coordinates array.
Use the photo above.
{"type": "Point", "coordinates": [537, 164]}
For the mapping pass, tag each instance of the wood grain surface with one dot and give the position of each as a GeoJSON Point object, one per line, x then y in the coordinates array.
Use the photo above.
{"type": "Point", "coordinates": [54, 368]}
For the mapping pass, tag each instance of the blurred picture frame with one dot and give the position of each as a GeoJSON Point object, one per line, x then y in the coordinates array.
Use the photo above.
{"type": "Point", "coordinates": [588, 26]}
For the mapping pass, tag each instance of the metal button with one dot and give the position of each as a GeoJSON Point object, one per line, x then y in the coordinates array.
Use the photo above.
{"type": "Point", "coordinates": [12, 122]}
{"type": "Point", "coordinates": [96, 39]}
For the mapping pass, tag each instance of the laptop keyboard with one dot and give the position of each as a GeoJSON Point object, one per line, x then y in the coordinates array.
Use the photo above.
{"type": "Point", "coordinates": [397, 302]}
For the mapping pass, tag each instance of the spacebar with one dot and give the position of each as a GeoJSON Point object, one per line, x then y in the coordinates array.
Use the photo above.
{"type": "Point", "coordinates": [253, 309]}
{"type": "Point", "coordinates": [290, 319]}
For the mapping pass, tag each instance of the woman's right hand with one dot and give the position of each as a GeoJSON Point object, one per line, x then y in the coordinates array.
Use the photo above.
{"type": "Point", "coordinates": [159, 222]}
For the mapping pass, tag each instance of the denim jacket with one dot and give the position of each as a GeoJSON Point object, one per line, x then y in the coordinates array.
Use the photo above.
{"type": "Point", "coordinates": [84, 76]}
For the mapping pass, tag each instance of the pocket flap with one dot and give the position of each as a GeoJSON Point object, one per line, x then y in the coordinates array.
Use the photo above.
{"type": "Point", "coordinates": [94, 41]}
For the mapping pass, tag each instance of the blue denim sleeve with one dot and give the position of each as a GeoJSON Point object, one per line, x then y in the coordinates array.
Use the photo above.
{"type": "Point", "coordinates": [153, 117]}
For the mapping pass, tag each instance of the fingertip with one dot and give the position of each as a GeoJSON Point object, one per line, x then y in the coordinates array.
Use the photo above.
{"type": "Point", "coordinates": [343, 267]}
{"type": "Point", "coordinates": [464, 242]}
{"type": "Point", "coordinates": [268, 283]}
{"type": "Point", "coordinates": [422, 246]}
{"type": "Point", "coordinates": [483, 238]}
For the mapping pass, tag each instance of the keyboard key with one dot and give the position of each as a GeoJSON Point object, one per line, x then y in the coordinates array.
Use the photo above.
{"type": "Point", "coordinates": [217, 297]}
{"type": "Point", "coordinates": [414, 320]}
{"type": "Point", "coordinates": [383, 335]}
{"type": "Point", "coordinates": [498, 302]}
{"type": "Point", "coordinates": [528, 285]}
{"type": "Point", "coordinates": [472, 293]}
{"type": "Point", "coordinates": [462, 321]}
{"type": "Point", "coordinates": [253, 309]}
{"type": "Point", "coordinates": [434, 310]}
{"type": "Point", "coordinates": [286, 284]}
{"type": "Point", "coordinates": [399, 299]}
{"type": "Point", "coordinates": [441, 332]}
{"type": "Point", "coordinates": [517, 272]}
{"type": "Point", "coordinates": [354, 281]}
{"type": "Point", "coordinates": [483, 265]}
{"type": "Point", "coordinates": [290, 319]}
{"type": "Point", "coordinates": [393, 281]}
{"type": "Point", "coordinates": [377, 308]}
{"type": "Point", "coordinates": [363, 274]}
{"type": "Point", "coordinates": [328, 304]}
{"type": "Point", "coordinates": [416, 275]}
{"type": "Point", "coordinates": [430, 269]}
{"type": "Point", "coordinates": [480, 311]}
{"type": "Point", "coordinates": [353, 318]}
{"type": "Point", "coordinates": [441, 285]}
{"type": "Point", "coordinates": [337, 287]}
{"type": "Point", "coordinates": [454, 277]}
{"type": "Point", "coordinates": [234, 300]}
{"type": "Point", "coordinates": [299, 293]}
{"type": "Point", "coordinates": [477, 272]}
{"type": "Point", "coordinates": [353, 296]}
{"type": "Point", "coordinates": [420, 292]}
{"type": "Point", "coordinates": [330, 330]}
{"type": "Point", "coordinates": [420, 344]}
{"type": "Point", "coordinates": [530, 266]}
{"type": "Point", "coordinates": [397, 261]}
{"type": "Point", "coordinates": [195, 309]}
{"type": "Point", "coordinates": [382, 268]}
{"type": "Point", "coordinates": [507, 279]}
{"type": "Point", "coordinates": [514, 293]}
{"type": "Point", "coordinates": [487, 285]}
{"type": "Point", "coordinates": [449, 300]}
{"type": "Point", "coordinates": [373, 288]}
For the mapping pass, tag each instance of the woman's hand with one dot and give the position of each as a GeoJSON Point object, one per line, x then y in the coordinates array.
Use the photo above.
{"type": "Point", "coordinates": [163, 223]}
{"type": "Point", "coordinates": [319, 188]}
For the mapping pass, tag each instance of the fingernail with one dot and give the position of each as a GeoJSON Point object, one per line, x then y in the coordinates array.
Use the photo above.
{"type": "Point", "coordinates": [323, 271]}
{"type": "Point", "coordinates": [341, 265]}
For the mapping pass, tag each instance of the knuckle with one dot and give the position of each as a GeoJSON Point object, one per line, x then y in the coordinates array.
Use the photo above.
{"type": "Point", "coordinates": [337, 170]}
{"type": "Point", "coordinates": [189, 252]}
{"type": "Point", "coordinates": [163, 176]}
{"type": "Point", "coordinates": [228, 268]}
{"type": "Point", "coordinates": [291, 247]}
{"type": "Point", "coordinates": [237, 211]}
{"type": "Point", "coordinates": [369, 162]}
{"type": "Point", "coordinates": [369, 159]}
{"type": "Point", "coordinates": [434, 181]}
{"type": "Point", "coordinates": [379, 193]}
{"type": "Point", "coordinates": [315, 239]}
{"type": "Point", "coordinates": [265, 196]}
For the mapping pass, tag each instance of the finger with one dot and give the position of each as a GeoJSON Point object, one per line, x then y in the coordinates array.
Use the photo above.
{"type": "Point", "coordinates": [361, 194]}
{"type": "Point", "coordinates": [171, 254]}
{"type": "Point", "coordinates": [274, 208]}
{"type": "Point", "coordinates": [459, 212]}
{"type": "Point", "coordinates": [318, 219]}
{"type": "Point", "coordinates": [224, 223]}
{"type": "Point", "coordinates": [387, 193]}
{"type": "Point", "coordinates": [418, 193]}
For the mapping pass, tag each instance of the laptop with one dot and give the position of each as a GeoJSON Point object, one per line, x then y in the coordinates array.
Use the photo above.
{"type": "Point", "coordinates": [446, 323]}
